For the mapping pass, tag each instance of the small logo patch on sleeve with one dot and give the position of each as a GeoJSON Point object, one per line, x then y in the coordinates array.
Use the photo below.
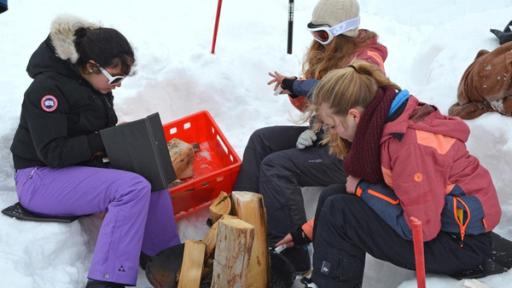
{"type": "Point", "coordinates": [49, 103]}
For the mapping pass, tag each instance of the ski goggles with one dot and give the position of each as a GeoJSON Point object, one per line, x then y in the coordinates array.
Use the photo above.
{"type": "Point", "coordinates": [112, 80]}
{"type": "Point", "coordinates": [324, 33]}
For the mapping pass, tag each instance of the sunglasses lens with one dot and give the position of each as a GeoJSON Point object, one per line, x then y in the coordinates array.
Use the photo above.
{"type": "Point", "coordinates": [116, 80]}
{"type": "Point", "coordinates": [321, 35]}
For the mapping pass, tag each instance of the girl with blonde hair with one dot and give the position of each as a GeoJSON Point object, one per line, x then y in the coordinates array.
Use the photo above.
{"type": "Point", "coordinates": [403, 159]}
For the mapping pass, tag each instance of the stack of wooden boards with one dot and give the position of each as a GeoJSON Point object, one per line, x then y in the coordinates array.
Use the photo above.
{"type": "Point", "coordinates": [234, 252]}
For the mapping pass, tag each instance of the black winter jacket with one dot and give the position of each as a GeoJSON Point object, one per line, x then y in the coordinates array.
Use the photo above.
{"type": "Point", "coordinates": [60, 114]}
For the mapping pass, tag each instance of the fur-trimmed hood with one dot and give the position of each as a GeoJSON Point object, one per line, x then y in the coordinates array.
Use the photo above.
{"type": "Point", "coordinates": [57, 53]}
{"type": "Point", "coordinates": [62, 35]}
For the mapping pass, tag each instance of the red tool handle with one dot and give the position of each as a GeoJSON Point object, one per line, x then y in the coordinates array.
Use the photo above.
{"type": "Point", "coordinates": [417, 237]}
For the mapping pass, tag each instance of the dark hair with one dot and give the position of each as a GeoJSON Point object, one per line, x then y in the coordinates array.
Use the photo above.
{"type": "Point", "coordinates": [105, 46]}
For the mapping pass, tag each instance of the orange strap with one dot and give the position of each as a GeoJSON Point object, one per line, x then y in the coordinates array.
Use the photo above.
{"type": "Point", "coordinates": [383, 197]}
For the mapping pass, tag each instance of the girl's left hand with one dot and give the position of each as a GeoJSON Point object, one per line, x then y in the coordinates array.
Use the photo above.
{"type": "Point", "coordinates": [277, 80]}
{"type": "Point", "coordinates": [351, 184]}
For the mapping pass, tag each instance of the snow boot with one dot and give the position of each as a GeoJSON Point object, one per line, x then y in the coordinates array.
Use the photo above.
{"type": "Point", "coordinates": [162, 271]}
{"type": "Point", "coordinates": [505, 35]}
{"type": "Point", "coordinates": [282, 272]}
{"type": "Point", "coordinates": [144, 259]}
{"type": "Point", "coordinates": [501, 250]}
{"type": "Point", "coordinates": [308, 283]}
{"type": "Point", "coordinates": [489, 267]}
{"type": "Point", "coordinates": [299, 257]}
{"type": "Point", "coordinates": [102, 284]}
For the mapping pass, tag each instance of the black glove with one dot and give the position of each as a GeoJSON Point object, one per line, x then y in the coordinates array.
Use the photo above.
{"type": "Point", "coordinates": [95, 144]}
{"type": "Point", "coordinates": [299, 237]}
{"type": "Point", "coordinates": [287, 84]}
{"type": "Point", "coordinates": [505, 35]}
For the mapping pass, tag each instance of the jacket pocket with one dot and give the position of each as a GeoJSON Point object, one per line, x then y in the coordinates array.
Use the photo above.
{"type": "Point", "coordinates": [386, 204]}
{"type": "Point", "coordinates": [462, 214]}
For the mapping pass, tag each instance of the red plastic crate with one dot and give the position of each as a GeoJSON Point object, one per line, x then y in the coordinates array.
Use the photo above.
{"type": "Point", "coordinates": [216, 164]}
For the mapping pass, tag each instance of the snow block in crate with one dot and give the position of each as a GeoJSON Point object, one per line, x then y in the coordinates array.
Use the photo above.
{"type": "Point", "coordinates": [216, 163]}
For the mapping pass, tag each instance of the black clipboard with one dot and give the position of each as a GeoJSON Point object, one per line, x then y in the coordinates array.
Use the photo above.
{"type": "Point", "coordinates": [139, 146]}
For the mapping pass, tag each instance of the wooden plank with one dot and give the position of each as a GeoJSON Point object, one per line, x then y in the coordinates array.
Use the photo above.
{"type": "Point", "coordinates": [211, 237]}
{"type": "Point", "coordinates": [220, 206]}
{"type": "Point", "coordinates": [249, 207]}
{"type": "Point", "coordinates": [192, 266]}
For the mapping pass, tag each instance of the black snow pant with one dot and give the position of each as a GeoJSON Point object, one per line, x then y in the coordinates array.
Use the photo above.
{"type": "Point", "coordinates": [262, 143]}
{"type": "Point", "coordinates": [347, 228]}
{"type": "Point", "coordinates": [273, 167]}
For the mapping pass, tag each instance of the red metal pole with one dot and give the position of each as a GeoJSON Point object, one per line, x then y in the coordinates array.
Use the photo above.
{"type": "Point", "coordinates": [216, 28]}
{"type": "Point", "coordinates": [419, 256]}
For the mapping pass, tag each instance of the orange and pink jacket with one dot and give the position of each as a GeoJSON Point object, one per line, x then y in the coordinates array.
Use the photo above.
{"type": "Point", "coordinates": [433, 176]}
{"type": "Point", "coordinates": [430, 175]}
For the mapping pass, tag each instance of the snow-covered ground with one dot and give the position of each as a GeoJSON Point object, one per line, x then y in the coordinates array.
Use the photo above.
{"type": "Point", "coordinates": [430, 44]}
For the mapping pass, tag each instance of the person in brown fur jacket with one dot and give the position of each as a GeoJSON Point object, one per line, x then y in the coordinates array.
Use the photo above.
{"type": "Point", "coordinates": [486, 85]}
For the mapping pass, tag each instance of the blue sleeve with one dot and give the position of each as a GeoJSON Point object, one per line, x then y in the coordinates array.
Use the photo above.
{"type": "Point", "coordinates": [304, 87]}
{"type": "Point", "coordinates": [3, 6]}
{"type": "Point", "coordinates": [386, 204]}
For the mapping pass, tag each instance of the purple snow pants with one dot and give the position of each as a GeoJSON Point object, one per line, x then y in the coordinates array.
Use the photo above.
{"type": "Point", "coordinates": [136, 219]}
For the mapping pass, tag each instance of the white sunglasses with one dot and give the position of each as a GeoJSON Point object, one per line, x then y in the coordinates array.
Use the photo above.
{"type": "Point", "coordinates": [112, 80]}
{"type": "Point", "coordinates": [324, 34]}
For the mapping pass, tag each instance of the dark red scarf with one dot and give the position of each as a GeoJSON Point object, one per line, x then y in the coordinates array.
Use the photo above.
{"type": "Point", "coordinates": [363, 159]}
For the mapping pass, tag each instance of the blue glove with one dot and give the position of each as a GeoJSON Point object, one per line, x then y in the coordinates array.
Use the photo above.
{"type": "Point", "coordinates": [306, 139]}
